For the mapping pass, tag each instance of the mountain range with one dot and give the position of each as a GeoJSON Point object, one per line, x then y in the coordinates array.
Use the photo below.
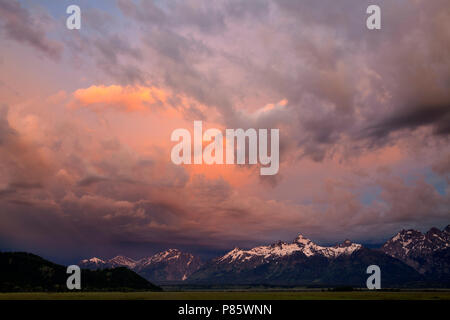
{"type": "Point", "coordinates": [166, 266]}
{"type": "Point", "coordinates": [410, 258]}
{"type": "Point", "coordinates": [428, 253]}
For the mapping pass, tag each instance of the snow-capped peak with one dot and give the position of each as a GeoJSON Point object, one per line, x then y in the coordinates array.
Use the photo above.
{"type": "Point", "coordinates": [281, 249]}
{"type": "Point", "coordinates": [302, 240]}
{"type": "Point", "coordinates": [166, 255]}
{"type": "Point", "coordinates": [413, 243]}
{"type": "Point", "coordinates": [122, 261]}
{"type": "Point", "coordinates": [94, 260]}
{"type": "Point", "coordinates": [168, 265]}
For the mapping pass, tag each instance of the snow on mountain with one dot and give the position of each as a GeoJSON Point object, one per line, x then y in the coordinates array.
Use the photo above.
{"type": "Point", "coordinates": [93, 260]}
{"type": "Point", "coordinates": [118, 261]}
{"type": "Point", "coordinates": [423, 252]}
{"type": "Point", "coordinates": [121, 261]}
{"type": "Point", "coordinates": [412, 243]}
{"type": "Point", "coordinates": [92, 263]}
{"type": "Point", "coordinates": [169, 265]}
{"type": "Point", "coordinates": [167, 255]}
{"type": "Point", "coordinates": [280, 249]}
{"type": "Point", "coordinates": [427, 253]}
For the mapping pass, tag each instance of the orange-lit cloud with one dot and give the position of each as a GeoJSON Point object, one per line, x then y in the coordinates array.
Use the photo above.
{"type": "Point", "coordinates": [126, 99]}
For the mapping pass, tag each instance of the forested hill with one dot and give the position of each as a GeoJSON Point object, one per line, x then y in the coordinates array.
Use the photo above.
{"type": "Point", "coordinates": [21, 271]}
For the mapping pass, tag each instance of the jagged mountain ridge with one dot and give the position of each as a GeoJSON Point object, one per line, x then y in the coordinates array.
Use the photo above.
{"type": "Point", "coordinates": [297, 269]}
{"type": "Point", "coordinates": [299, 262]}
{"type": "Point", "coordinates": [412, 243]}
{"type": "Point", "coordinates": [426, 252]}
{"type": "Point", "coordinates": [303, 262]}
{"type": "Point", "coordinates": [280, 249]}
{"type": "Point", "coordinates": [169, 265]}
{"type": "Point", "coordinates": [409, 256]}
{"type": "Point", "coordinates": [117, 261]}
{"type": "Point", "coordinates": [174, 265]}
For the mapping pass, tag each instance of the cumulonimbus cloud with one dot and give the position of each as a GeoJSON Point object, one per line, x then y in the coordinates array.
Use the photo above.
{"type": "Point", "coordinates": [362, 117]}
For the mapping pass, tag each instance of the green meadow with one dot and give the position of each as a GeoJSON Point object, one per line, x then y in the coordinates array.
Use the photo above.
{"type": "Point", "coordinates": [230, 295]}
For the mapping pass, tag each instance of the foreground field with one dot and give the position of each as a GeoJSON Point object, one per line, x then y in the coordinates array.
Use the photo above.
{"type": "Point", "coordinates": [204, 295]}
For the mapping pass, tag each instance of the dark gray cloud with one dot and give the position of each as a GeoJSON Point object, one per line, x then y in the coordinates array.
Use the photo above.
{"type": "Point", "coordinates": [146, 12]}
{"type": "Point", "coordinates": [343, 81]}
{"type": "Point", "coordinates": [108, 49]}
{"type": "Point", "coordinates": [90, 180]}
{"type": "Point", "coordinates": [412, 118]}
{"type": "Point", "coordinates": [111, 53]}
{"type": "Point", "coordinates": [6, 132]}
{"type": "Point", "coordinates": [17, 23]}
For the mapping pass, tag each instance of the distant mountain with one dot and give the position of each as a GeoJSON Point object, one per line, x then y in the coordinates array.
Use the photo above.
{"type": "Point", "coordinates": [121, 261]}
{"type": "Point", "coordinates": [263, 254]}
{"type": "Point", "coordinates": [92, 264]}
{"type": "Point", "coordinates": [409, 259]}
{"type": "Point", "coordinates": [170, 265]}
{"type": "Point", "coordinates": [167, 266]}
{"type": "Point", "coordinates": [20, 271]}
{"type": "Point", "coordinates": [304, 263]}
{"type": "Point", "coordinates": [118, 261]}
{"type": "Point", "coordinates": [427, 253]}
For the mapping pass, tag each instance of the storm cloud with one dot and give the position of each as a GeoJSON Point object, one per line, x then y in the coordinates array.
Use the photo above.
{"type": "Point", "coordinates": [85, 149]}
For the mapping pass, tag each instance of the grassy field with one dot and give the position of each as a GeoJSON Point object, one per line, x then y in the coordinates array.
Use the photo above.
{"type": "Point", "coordinates": [244, 295]}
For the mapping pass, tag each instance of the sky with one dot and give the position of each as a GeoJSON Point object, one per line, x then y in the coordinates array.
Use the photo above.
{"type": "Point", "coordinates": [86, 118]}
